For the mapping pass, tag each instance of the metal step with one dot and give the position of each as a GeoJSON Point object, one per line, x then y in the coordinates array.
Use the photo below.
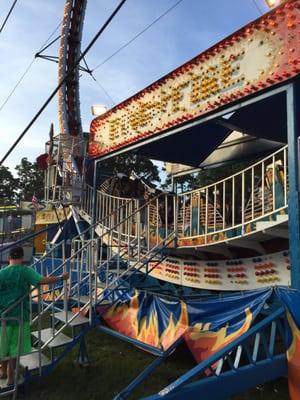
{"type": "Point", "coordinates": [83, 299]}
{"type": "Point", "coordinates": [282, 218]}
{"type": "Point", "coordinates": [31, 360]}
{"type": "Point", "coordinates": [260, 225]}
{"type": "Point", "coordinates": [9, 389]}
{"type": "Point", "coordinates": [3, 384]}
{"type": "Point", "coordinates": [46, 334]}
{"type": "Point", "coordinates": [65, 317]}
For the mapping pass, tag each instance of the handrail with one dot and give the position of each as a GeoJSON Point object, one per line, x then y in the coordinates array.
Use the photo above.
{"type": "Point", "coordinates": [235, 174]}
{"type": "Point", "coordinates": [133, 268]}
{"type": "Point", "coordinates": [98, 222]}
{"type": "Point", "coordinates": [89, 302]}
{"type": "Point", "coordinates": [83, 247]}
{"type": "Point", "coordinates": [133, 213]}
{"type": "Point", "coordinates": [112, 196]}
{"type": "Point", "coordinates": [16, 303]}
{"type": "Point", "coordinates": [74, 238]}
{"type": "Point", "coordinates": [230, 205]}
{"type": "Point", "coordinates": [108, 231]}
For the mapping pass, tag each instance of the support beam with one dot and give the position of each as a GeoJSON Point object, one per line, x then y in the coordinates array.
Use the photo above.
{"type": "Point", "coordinates": [293, 115]}
{"type": "Point", "coordinates": [217, 249]}
{"type": "Point", "coordinates": [230, 383]}
{"type": "Point", "coordinates": [94, 194]}
{"type": "Point", "coordinates": [227, 124]}
{"type": "Point", "coordinates": [247, 244]}
{"type": "Point", "coordinates": [277, 232]}
{"type": "Point", "coordinates": [144, 346]}
{"type": "Point", "coordinates": [140, 378]}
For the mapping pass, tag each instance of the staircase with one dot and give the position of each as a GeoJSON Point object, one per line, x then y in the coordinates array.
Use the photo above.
{"type": "Point", "coordinates": [61, 315]}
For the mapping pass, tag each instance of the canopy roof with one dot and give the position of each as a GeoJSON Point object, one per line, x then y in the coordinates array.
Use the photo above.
{"type": "Point", "coordinates": [203, 145]}
{"type": "Point", "coordinates": [181, 117]}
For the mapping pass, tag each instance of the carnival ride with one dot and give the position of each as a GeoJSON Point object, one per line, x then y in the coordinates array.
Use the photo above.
{"type": "Point", "coordinates": [217, 266]}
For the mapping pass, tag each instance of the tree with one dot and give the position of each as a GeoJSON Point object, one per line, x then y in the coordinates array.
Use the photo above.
{"type": "Point", "coordinates": [8, 186]}
{"type": "Point", "coordinates": [31, 180]}
{"type": "Point", "coordinates": [206, 177]}
{"type": "Point", "coordinates": [212, 175]}
{"type": "Point", "coordinates": [182, 183]}
{"type": "Point", "coordinates": [128, 163]}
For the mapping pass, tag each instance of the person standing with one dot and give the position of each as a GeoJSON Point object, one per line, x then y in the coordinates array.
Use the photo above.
{"type": "Point", "coordinates": [16, 281]}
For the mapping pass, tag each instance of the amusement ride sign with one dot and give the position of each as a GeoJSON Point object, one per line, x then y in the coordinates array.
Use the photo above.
{"type": "Point", "coordinates": [263, 54]}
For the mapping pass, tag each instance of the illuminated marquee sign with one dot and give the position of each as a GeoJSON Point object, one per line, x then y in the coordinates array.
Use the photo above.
{"type": "Point", "coordinates": [264, 53]}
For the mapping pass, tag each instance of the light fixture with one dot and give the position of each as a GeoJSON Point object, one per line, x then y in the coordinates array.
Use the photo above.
{"type": "Point", "coordinates": [98, 109]}
{"type": "Point", "coordinates": [273, 3]}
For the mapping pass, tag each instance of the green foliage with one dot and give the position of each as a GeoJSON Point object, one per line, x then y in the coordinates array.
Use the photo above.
{"type": "Point", "coordinates": [184, 183]}
{"type": "Point", "coordinates": [209, 176]}
{"type": "Point", "coordinates": [8, 186]}
{"type": "Point", "coordinates": [205, 177]}
{"type": "Point", "coordinates": [30, 180]}
{"type": "Point", "coordinates": [128, 163]}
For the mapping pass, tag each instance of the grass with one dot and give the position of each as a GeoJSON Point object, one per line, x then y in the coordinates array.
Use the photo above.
{"type": "Point", "coordinates": [114, 364]}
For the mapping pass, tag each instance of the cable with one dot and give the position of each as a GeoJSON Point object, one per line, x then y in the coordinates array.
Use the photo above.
{"type": "Point", "coordinates": [104, 90]}
{"type": "Point", "coordinates": [26, 70]}
{"type": "Point", "coordinates": [136, 36]}
{"type": "Point", "coordinates": [97, 82]}
{"type": "Point", "coordinates": [17, 84]}
{"type": "Point", "coordinates": [9, 12]}
{"type": "Point", "coordinates": [90, 45]}
{"type": "Point", "coordinates": [257, 7]}
{"type": "Point", "coordinates": [49, 37]}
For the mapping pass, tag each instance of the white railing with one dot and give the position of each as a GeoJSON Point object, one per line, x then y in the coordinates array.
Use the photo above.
{"type": "Point", "coordinates": [221, 211]}
{"type": "Point", "coordinates": [150, 220]}
{"type": "Point", "coordinates": [112, 251]}
{"type": "Point", "coordinates": [63, 181]}
{"type": "Point", "coordinates": [106, 203]}
{"type": "Point", "coordinates": [231, 207]}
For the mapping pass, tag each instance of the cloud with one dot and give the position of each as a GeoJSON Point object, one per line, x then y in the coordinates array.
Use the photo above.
{"type": "Point", "coordinates": [186, 31]}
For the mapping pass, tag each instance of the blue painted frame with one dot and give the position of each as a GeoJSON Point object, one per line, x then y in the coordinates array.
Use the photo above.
{"type": "Point", "coordinates": [249, 375]}
{"type": "Point", "coordinates": [220, 387]}
{"type": "Point", "coordinates": [293, 116]}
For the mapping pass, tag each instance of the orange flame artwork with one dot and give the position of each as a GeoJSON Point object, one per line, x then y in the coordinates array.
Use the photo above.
{"type": "Point", "coordinates": [203, 343]}
{"type": "Point", "coordinates": [124, 319]}
{"type": "Point", "coordinates": [293, 357]}
{"type": "Point", "coordinates": [149, 333]}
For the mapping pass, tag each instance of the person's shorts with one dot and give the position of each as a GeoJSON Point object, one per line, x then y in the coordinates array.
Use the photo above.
{"type": "Point", "coordinates": [9, 340]}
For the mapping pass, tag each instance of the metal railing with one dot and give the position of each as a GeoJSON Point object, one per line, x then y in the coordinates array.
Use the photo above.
{"type": "Point", "coordinates": [226, 209]}
{"type": "Point", "coordinates": [107, 204]}
{"type": "Point", "coordinates": [150, 220]}
{"type": "Point", "coordinates": [116, 246]}
{"type": "Point", "coordinates": [233, 205]}
{"type": "Point", "coordinates": [63, 182]}
{"type": "Point", "coordinates": [262, 343]}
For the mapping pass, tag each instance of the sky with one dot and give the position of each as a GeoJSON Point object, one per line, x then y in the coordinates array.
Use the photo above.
{"type": "Point", "coordinates": [190, 28]}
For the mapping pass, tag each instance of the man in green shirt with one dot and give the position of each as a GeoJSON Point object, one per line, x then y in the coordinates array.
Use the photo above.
{"type": "Point", "coordinates": [16, 281]}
